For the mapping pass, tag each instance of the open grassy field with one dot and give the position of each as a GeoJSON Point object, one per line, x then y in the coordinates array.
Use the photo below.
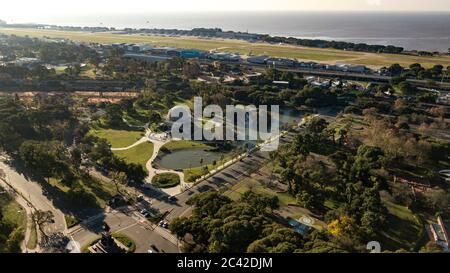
{"type": "Point", "coordinates": [255, 186]}
{"type": "Point", "coordinates": [236, 46]}
{"type": "Point", "coordinates": [185, 144]}
{"type": "Point", "coordinates": [12, 216]}
{"type": "Point", "coordinates": [139, 155]}
{"type": "Point", "coordinates": [98, 192]}
{"type": "Point", "coordinates": [12, 212]}
{"type": "Point", "coordinates": [118, 138]}
{"type": "Point", "coordinates": [404, 228]}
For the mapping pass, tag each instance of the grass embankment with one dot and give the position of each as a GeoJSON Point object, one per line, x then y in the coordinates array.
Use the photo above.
{"type": "Point", "coordinates": [185, 144]}
{"type": "Point", "coordinates": [166, 180]}
{"type": "Point", "coordinates": [13, 215]}
{"type": "Point", "coordinates": [140, 154]}
{"type": "Point", "coordinates": [118, 138]}
{"type": "Point", "coordinates": [404, 229]}
{"type": "Point", "coordinates": [243, 47]}
{"type": "Point", "coordinates": [254, 185]}
{"type": "Point", "coordinates": [85, 249]}
{"type": "Point", "coordinates": [95, 192]}
{"type": "Point", "coordinates": [32, 240]}
{"type": "Point", "coordinates": [126, 241]}
{"type": "Point", "coordinates": [71, 221]}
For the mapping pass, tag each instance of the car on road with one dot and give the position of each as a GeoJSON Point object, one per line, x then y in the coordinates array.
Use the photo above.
{"type": "Point", "coordinates": [172, 199]}
{"type": "Point", "coordinates": [164, 224]}
{"type": "Point", "coordinates": [145, 213]}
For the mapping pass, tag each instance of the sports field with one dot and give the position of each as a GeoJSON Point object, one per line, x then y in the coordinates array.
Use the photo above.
{"type": "Point", "coordinates": [237, 46]}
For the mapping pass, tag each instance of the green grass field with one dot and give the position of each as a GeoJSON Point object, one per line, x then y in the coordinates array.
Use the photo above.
{"type": "Point", "coordinates": [12, 212]}
{"type": "Point", "coordinates": [403, 228]}
{"type": "Point", "coordinates": [118, 138]}
{"type": "Point", "coordinates": [99, 191]}
{"type": "Point", "coordinates": [243, 47]}
{"type": "Point", "coordinates": [166, 180]}
{"type": "Point", "coordinates": [185, 144]}
{"type": "Point", "coordinates": [139, 155]}
{"type": "Point", "coordinates": [252, 185]}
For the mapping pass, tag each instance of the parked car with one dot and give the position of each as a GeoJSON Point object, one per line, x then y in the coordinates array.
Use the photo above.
{"type": "Point", "coordinates": [145, 213]}
{"type": "Point", "coordinates": [172, 199]}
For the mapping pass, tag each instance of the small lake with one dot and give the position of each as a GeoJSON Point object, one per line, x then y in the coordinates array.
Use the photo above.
{"type": "Point", "coordinates": [191, 158]}
{"type": "Point", "coordinates": [188, 158]}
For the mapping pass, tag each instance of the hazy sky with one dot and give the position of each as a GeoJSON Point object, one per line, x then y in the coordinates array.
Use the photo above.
{"type": "Point", "coordinates": [33, 9]}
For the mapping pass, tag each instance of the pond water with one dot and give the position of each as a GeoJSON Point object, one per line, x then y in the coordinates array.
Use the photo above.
{"type": "Point", "coordinates": [191, 158]}
{"type": "Point", "coordinates": [188, 158]}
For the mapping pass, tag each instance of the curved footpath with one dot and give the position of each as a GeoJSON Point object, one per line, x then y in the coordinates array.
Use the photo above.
{"type": "Point", "coordinates": [158, 141]}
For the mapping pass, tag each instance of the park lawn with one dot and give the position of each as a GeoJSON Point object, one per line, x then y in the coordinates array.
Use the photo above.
{"type": "Point", "coordinates": [166, 180]}
{"type": "Point", "coordinates": [403, 228]}
{"type": "Point", "coordinates": [238, 46]}
{"type": "Point", "coordinates": [186, 144]}
{"type": "Point", "coordinates": [100, 191]}
{"type": "Point", "coordinates": [193, 173]}
{"type": "Point", "coordinates": [118, 138]}
{"type": "Point", "coordinates": [140, 154]}
{"type": "Point", "coordinates": [12, 212]}
{"type": "Point", "coordinates": [252, 185]}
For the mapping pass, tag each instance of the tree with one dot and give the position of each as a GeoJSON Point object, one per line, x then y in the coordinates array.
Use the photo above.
{"type": "Point", "coordinates": [395, 69]}
{"type": "Point", "coordinates": [316, 125]}
{"type": "Point", "coordinates": [344, 225]}
{"type": "Point", "coordinates": [119, 179]}
{"type": "Point", "coordinates": [431, 247]}
{"type": "Point", "coordinates": [191, 70]}
{"type": "Point", "coordinates": [437, 200]}
{"type": "Point", "coordinates": [407, 89]}
{"type": "Point", "coordinates": [43, 218]}
{"type": "Point", "coordinates": [305, 199]}
{"type": "Point", "coordinates": [39, 156]}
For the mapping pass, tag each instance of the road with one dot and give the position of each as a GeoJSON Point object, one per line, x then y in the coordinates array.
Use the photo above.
{"type": "Point", "coordinates": [376, 78]}
{"type": "Point", "coordinates": [32, 192]}
{"type": "Point", "coordinates": [130, 224]}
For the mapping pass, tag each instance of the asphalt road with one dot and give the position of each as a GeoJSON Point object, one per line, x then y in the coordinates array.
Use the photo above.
{"type": "Point", "coordinates": [140, 231]}
{"type": "Point", "coordinates": [34, 194]}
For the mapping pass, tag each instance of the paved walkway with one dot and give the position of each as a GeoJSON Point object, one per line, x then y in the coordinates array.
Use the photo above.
{"type": "Point", "coordinates": [158, 140]}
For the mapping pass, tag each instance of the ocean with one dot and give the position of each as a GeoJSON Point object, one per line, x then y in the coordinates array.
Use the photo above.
{"type": "Point", "coordinates": [419, 31]}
